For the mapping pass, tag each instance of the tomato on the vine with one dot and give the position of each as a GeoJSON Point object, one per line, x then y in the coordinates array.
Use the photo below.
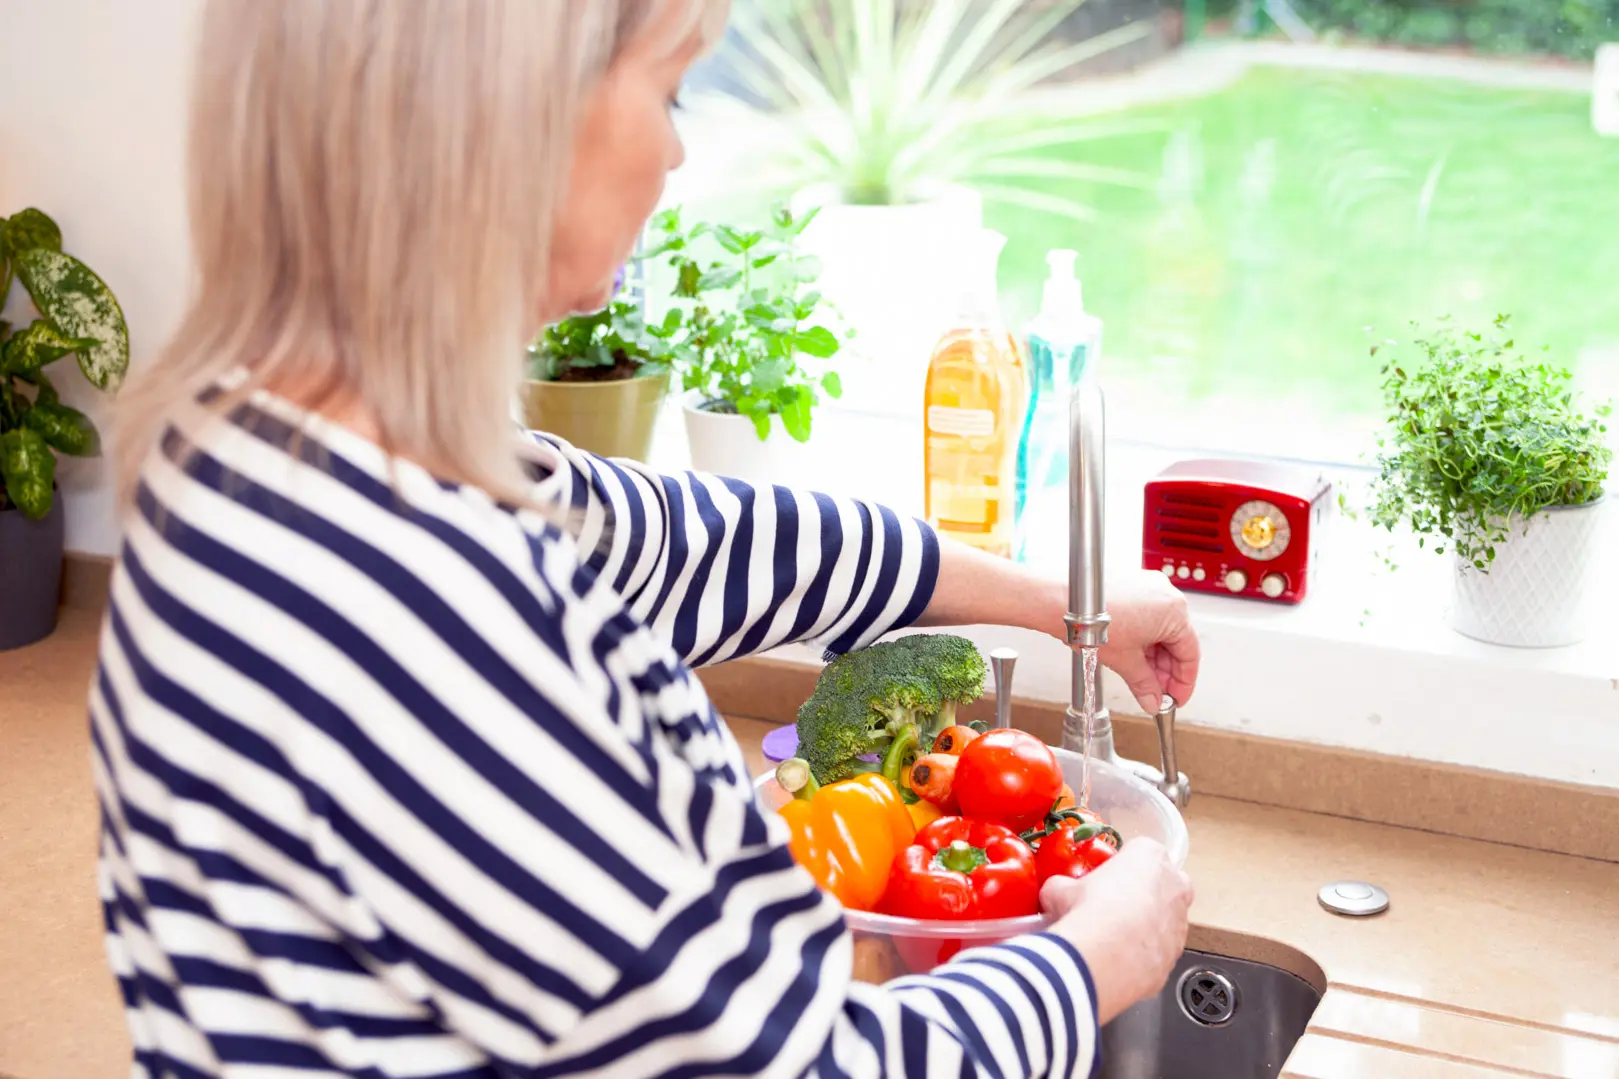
{"type": "Point", "coordinates": [1009, 777]}
{"type": "Point", "coordinates": [1074, 848]}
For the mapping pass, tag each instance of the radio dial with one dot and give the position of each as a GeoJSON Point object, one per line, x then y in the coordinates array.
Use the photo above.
{"type": "Point", "coordinates": [1273, 585]}
{"type": "Point", "coordinates": [1260, 530]}
{"type": "Point", "coordinates": [1236, 580]}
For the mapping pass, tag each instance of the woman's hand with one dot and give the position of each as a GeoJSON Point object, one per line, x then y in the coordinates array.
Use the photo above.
{"type": "Point", "coordinates": [1151, 643]}
{"type": "Point", "coordinates": [1128, 918]}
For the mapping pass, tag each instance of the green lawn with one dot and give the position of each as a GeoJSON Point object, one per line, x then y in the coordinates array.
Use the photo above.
{"type": "Point", "coordinates": [1285, 214]}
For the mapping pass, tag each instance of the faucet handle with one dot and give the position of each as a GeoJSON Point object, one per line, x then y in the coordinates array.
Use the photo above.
{"type": "Point", "coordinates": [1174, 784]}
{"type": "Point", "coordinates": [1001, 662]}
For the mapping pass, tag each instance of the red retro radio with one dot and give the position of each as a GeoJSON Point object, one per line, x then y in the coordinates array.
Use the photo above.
{"type": "Point", "coordinates": [1239, 528]}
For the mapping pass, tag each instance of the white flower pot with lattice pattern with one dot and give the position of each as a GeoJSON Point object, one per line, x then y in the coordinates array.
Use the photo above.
{"type": "Point", "coordinates": [1535, 593]}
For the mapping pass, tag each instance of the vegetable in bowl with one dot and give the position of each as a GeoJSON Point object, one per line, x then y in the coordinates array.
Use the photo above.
{"type": "Point", "coordinates": [935, 835]}
{"type": "Point", "coordinates": [881, 707]}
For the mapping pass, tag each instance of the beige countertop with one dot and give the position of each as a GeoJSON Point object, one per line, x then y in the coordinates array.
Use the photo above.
{"type": "Point", "coordinates": [1492, 960]}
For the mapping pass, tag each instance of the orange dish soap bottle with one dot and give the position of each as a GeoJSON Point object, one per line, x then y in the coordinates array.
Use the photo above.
{"type": "Point", "coordinates": [977, 392]}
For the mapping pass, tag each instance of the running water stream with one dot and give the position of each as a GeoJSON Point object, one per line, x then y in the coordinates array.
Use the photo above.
{"type": "Point", "coordinates": [1089, 706]}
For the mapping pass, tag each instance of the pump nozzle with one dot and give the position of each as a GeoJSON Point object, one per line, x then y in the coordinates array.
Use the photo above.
{"type": "Point", "coordinates": [977, 290]}
{"type": "Point", "coordinates": [1062, 297]}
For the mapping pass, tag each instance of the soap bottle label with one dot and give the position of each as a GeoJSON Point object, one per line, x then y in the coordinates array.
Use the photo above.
{"type": "Point", "coordinates": [962, 422]}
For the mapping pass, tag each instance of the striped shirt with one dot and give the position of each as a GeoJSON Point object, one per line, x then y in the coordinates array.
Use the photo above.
{"type": "Point", "coordinates": [397, 781]}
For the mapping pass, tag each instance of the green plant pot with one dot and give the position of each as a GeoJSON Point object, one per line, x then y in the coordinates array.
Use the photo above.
{"type": "Point", "coordinates": [610, 419]}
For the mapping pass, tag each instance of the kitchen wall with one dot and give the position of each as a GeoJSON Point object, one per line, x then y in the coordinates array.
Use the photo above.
{"type": "Point", "coordinates": [92, 131]}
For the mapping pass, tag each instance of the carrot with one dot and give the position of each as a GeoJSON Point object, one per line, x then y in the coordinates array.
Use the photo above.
{"type": "Point", "coordinates": [932, 778]}
{"type": "Point", "coordinates": [952, 740]}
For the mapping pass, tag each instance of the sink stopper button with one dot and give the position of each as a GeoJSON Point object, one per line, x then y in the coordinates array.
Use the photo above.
{"type": "Point", "coordinates": [1354, 898]}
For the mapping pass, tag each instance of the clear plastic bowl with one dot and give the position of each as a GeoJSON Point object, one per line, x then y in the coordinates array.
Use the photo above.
{"type": "Point", "coordinates": [887, 947]}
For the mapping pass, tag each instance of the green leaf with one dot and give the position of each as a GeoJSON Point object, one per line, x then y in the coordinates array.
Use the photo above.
{"type": "Point", "coordinates": [719, 279]}
{"type": "Point", "coordinates": [730, 239]}
{"type": "Point", "coordinates": [804, 222]}
{"type": "Point", "coordinates": [795, 414]}
{"type": "Point", "coordinates": [817, 341]}
{"type": "Point", "coordinates": [44, 389]}
{"type": "Point", "coordinates": [29, 470]}
{"type": "Point", "coordinates": [41, 343]}
{"type": "Point", "coordinates": [68, 292]}
{"type": "Point", "coordinates": [770, 376]}
{"type": "Point", "coordinates": [13, 406]}
{"type": "Point", "coordinates": [832, 384]}
{"type": "Point", "coordinates": [761, 316]}
{"type": "Point", "coordinates": [689, 280]}
{"type": "Point", "coordinates": [63, 428]}
{"type": "Point", "coordinates": [27, 230]}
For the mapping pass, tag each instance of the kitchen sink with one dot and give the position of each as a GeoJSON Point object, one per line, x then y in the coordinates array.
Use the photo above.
{"type": "Point", "coordinates": [1217, 1018]}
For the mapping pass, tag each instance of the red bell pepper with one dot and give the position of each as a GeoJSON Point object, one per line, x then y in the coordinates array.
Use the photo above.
{"type": "Point", "coordinates": [1075, 846]}
{"type": "Point", "coordinates": [957, 870]}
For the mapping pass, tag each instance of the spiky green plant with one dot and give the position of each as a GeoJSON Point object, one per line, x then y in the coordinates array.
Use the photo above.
{"type": "Point", "coordinates": [888, 100]}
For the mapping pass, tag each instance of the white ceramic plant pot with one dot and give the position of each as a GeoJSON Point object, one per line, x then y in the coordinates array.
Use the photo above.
{"type": "Point", "coordinates": [1534, 595]}
{"type": "Point", "coordinates": [892, 272]}
{"type": "Point", "coordinates": [729, 445]}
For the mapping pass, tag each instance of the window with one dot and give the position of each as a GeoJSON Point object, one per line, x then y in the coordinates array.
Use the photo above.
{"type": "Point", "coordinates": [1270, 186]}
{"type": "Point", "coordinates": [1259, 190]}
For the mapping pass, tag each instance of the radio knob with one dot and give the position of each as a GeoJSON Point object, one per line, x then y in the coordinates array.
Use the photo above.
{"type": "Point", "coordinates": [1273, 585]}
{"type": "Point", "coordinates": [1236, 580]}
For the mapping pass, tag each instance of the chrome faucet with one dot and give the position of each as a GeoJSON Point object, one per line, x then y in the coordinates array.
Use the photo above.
{"type": "Point", "coordinates": [1087, 617]}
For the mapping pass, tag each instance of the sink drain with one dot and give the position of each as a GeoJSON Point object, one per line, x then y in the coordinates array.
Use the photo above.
{"type": "Point", "coordinates": [1207, 997]}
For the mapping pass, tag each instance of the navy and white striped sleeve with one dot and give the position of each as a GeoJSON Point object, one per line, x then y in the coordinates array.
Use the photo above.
{"type": "Point", "coordinates": [725, 569]}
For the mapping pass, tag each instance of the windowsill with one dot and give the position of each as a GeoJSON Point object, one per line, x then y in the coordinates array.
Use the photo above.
{"type": "Point", "coordinates": [1367, 661]}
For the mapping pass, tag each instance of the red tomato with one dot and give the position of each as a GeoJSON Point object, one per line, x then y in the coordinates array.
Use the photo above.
{"type": "Point", "coordinates": [1074, 849]}
{"type": "Point", "coordinates": [1009, 777]}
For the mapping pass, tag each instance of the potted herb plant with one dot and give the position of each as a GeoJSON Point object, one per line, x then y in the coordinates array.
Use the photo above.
{"type": "Point", "coordinates": [1491, 458]}
{"type": "Point", "coordinates": [598, 381]}
{"type": "Point", "coordinates": [742, 329]}
{"type": "Point", "coordinates": [901, 120]}
{"type": "Point", "coordinates": [77, 315]}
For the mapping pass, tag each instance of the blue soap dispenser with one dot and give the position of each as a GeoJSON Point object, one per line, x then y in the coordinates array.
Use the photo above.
{"type": "Point", "coordinates": [1064, 343]}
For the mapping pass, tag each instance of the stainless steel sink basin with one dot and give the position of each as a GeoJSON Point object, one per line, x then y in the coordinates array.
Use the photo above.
{"type": "Point", "coordinates": [1217, 1018]}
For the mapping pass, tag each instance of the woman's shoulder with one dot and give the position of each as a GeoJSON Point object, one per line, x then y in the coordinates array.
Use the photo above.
{"type": "Point", "coordinates": [298, 503]}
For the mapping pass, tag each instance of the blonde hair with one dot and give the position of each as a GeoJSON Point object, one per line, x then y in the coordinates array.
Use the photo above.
{"type": "Point", "coordinates": [372, 190]}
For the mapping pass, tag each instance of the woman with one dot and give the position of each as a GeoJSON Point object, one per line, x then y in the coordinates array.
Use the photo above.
{"type": "Point", "coordinates": [403, 767]}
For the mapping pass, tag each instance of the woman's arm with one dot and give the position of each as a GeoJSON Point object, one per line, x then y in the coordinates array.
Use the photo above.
{"type": "Point", "coordinates": [723, 569]}
{"type": "Point", "coordinates": [1151, 643]}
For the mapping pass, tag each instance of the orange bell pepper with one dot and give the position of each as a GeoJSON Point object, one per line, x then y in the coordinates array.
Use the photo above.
{"type": "Point", "coordinates": [847, 834]}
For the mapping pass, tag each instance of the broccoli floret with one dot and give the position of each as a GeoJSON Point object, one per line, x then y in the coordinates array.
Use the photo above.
{"type": "Point", "coordinates": [865, 699]}
{"type": "Point", "coordinates": [957, 671]}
